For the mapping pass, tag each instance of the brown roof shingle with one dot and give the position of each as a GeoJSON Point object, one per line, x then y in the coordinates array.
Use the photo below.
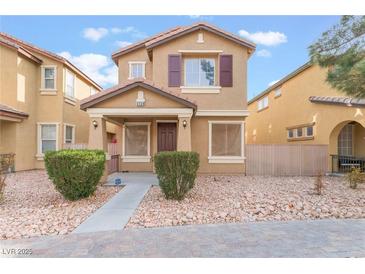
{"type": "Point", "coordinates": [332, 100]}
{"type": "Point", "coordinates": [6, 109]}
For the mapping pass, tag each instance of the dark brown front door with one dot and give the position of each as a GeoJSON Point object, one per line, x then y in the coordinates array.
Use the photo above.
{"type": "Point", "coordinates": [166, 137]}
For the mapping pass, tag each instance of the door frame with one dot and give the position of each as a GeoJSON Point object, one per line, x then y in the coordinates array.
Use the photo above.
{"type": "Point", "coordinates": [169, 122]}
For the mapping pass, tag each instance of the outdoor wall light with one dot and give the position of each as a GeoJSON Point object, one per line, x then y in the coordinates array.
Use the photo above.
{"type": "Point", "coordinates": [95, 124]}
{"type": "Point", "coordinates": [185, 123]}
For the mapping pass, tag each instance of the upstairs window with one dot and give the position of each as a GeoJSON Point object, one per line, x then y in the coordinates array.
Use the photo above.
{"type": "Point", "coordinates": [70, 84]}
{"type": "Point", "coordinates": [137, 70]}
{"type": "Point", "coordinates": [92, 91]}
{"type": "Point", "coordinates": [277, 92]}
{"type": "Point", "coordinates": [48, 78]}
{"type": "Point", "coordinates": [310, 131]}
{"type": "Point", "coordinates": [299, 132]}
{"type": "Point", "coordinates": [199, 72]}
{"type": "Point", "coordinates": [263, 103]}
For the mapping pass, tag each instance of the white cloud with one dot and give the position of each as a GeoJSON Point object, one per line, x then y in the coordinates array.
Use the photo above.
{"type": "Point", "coordinates": [122, 44]}
{"type": "Point", "coordinates": [97, 66]}
{"type": "Point", "coordinates": [116, 30]}
{"type": "Point", "coordinates": [273, 83]}
{"type": "Point", "coordinates": [95, 34]}
{"type": "Point", "coordinates": [201, 17]}
{"type": "Point", "coordinates": [263, 53]}
{"type": "Point", "coordinates": [269, 38]}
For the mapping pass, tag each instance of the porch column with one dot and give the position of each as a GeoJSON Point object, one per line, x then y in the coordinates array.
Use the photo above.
{"type": "Point", "coordinates": [184, 133]}
{"type": "Point", "coordinates": [98, 139]}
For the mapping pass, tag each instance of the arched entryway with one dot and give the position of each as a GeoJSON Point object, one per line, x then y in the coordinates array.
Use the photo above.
{"type": "Point", "coordinates": [347, 147]}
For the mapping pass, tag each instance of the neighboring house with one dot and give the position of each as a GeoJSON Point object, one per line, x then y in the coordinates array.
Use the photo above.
{"type": "Point", "coordinates": [303, 109]}
{"type": "Point", "coordinates": [183, 89]}
{"type": "Point", "coordinates": [39, 102]}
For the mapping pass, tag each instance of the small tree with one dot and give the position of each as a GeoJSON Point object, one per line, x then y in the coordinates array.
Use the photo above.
{"type": "Point", "coordinates": [318, 184]}
{"type": "Point", "coordinates": [176, 172]}
{"type": "Point", "coordinates": [342, 50]}
{"type": "Point", "coordinates": [2, 185]}
{"type": "Point", "coordinates": [354, 177]}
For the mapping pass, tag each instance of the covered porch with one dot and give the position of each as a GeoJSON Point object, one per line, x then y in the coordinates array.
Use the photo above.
{"type": "Point", "coordinates": [146, 119]}
{"type": "Point", "coordinates": [347, 147]}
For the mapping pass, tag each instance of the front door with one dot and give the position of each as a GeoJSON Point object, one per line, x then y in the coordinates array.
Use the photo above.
{"type": "Point", "coordinates": [166, 140]}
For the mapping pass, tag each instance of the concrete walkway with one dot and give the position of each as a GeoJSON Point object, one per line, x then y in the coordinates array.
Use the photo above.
{"type": "Point", "coordinates": [115, 213]}
{"type": "Point", "coordinates": [316, 238]}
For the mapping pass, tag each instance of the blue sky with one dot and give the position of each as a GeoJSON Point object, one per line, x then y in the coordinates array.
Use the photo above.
{"type": "Point", "coordinates": [88, 41]}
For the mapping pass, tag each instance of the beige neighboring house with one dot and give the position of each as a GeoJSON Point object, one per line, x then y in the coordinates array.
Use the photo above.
{"type": "Point", "coordinates": [39, 102]}
{"type": "Point", "coordinates": [184, 89]}
{"type": "Point", "coordinates": [303, 109]}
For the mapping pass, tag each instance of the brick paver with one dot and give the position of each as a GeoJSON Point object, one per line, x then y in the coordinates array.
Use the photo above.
{"type": "Point", "coordinates": [316, 238]}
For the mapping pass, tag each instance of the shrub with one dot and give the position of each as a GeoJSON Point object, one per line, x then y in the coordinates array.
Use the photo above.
{"type": "Point", "coordinates": [176, 172]}
{"type": "Point", "coordinates": [354, 177]}
{"type": "Point", "coordinates": [75, 173]}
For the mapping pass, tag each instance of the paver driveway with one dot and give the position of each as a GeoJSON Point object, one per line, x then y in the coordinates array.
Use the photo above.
{"type": "Point", "coordinates": [320, 238]}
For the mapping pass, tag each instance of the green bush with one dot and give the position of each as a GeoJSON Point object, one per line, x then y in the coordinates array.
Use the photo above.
{"type": "Point", "coordinates": [354, 177]}
{"type": "Point", "coordinates": [75, 173]}
{"type": "Point", "coordinates": [176, 172]}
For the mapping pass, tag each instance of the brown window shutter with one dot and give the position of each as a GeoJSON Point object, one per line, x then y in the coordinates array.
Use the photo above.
{"type": "Point", "coordinates": [225, 71]}
{"type": "Point", "coordinates": [174, 67]}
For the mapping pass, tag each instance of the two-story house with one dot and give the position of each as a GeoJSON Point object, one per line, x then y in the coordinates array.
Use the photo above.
{"type": "Point", "coordinates": [39, 102]}
{"type": "Point", "coordinates": [302, 108]}
{"type": "Point", "coordinates": [183, 89]}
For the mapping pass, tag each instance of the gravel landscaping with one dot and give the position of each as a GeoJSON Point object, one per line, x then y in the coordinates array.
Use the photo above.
{"type": "Point", "coordinates": [32, 206]}
{"type": "Point", "coordinates": [226, 199]}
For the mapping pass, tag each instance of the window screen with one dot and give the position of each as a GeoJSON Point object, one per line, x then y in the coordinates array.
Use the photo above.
{"type": "Point", "coordinates": [226, 140]}
{"type": "Point", "coordinates": [199, 72]}
{"type": "Point", "coordinates": [345, 141]}
{"type": "Point", "coordinates": [48, 137]}
{"type": "Point", "coordinates": [136, 140]}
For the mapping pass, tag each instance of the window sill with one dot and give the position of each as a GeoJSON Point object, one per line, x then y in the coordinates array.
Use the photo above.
{"type": "Point", "coordinates": [40, 157]}
{"type": "Point", "coordinates": [226, 160]}
{"type": "Point", "coordinates": [136, 159]}
{"type": "Point", "coordinates": [70, 100]}
{"type": "Point", "coordinates": [134, 78]}
{"type": "Point", "coordinates": [198, 90]}
{"type": "Point", "coordinates": [52, 92]}
{"type": "Point", "coordinates": [305, 138]}
{"type": "Point", "coordinates": [262, 109]}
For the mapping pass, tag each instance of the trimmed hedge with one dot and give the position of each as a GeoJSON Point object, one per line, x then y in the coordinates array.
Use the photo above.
{"type": "Point", "coordinates": [75, 173]}
{"type": "Point", "coordinates": [176, 172]}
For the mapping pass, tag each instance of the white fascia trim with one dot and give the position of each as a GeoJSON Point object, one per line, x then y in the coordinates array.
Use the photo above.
{"type": "Point", "coordinates": [200, 50]}
{"type": "Point", "coordinates": [140, 111]}
{"type": "Point", "coordinates": [198, 90]}
{"type": "Point", "coordinates": [238, 113]}
{"type": "Point", "coordinates": [226, 160]}
{"type": "Point", "coordinates": [136, 159]}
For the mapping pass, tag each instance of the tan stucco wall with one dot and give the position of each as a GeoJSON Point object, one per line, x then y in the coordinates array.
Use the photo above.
{"type": "Point", "coordinates": [128, 100]}
{"type": "Point", "coordinates": [20, 88]}
{"type": "Point", "coordinates": [137, 55]}
{"type": "Point", "coordinates": [293, 108]}
{"type": "Point", "coordinates": [199, 143]}
{"type": "Point", "coordinates": [228, 98]}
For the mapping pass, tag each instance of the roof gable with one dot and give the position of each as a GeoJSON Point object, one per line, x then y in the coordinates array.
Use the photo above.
{"type": "Point", "coordinates": [120, 89]}
{"type": "Point", "coordinates": [174, 33]}
{"type": "Point", "coordinates": [30, 47]}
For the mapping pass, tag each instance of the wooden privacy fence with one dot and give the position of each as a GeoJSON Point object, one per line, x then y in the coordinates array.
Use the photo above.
{"type": "Point", "coordinates": [286, 160]}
